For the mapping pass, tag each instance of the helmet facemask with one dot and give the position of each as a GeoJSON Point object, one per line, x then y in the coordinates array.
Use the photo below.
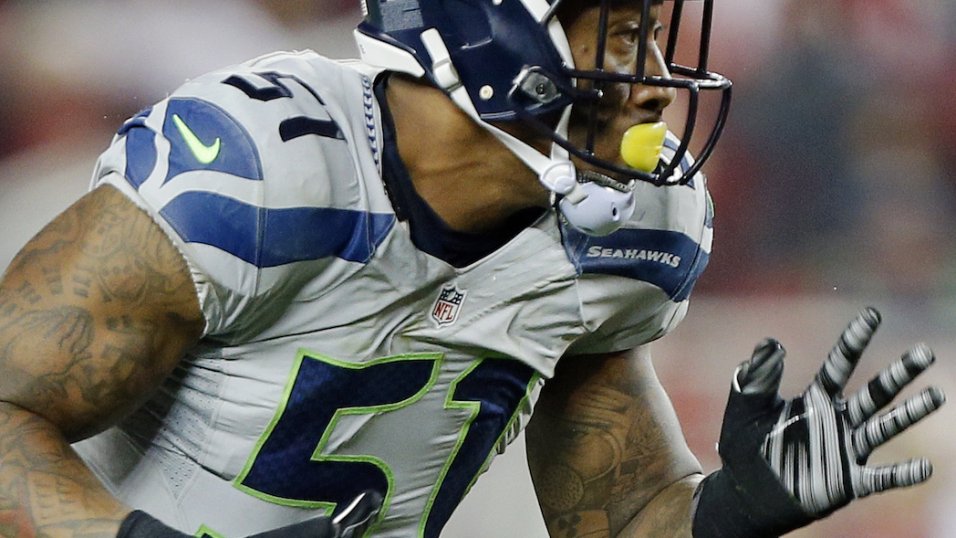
{"type": "Point", "coordinates": [595, 90]}
{"type": "Point", "coordinates": [509, 62]}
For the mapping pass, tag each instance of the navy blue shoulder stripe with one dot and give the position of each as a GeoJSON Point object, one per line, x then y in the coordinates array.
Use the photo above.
{"type": "Point", "coordinates": [670, 260]}
{"type": "Point", "coordinates": [272, 237]}
{"type": "Point", "coordinates": [202, 136]}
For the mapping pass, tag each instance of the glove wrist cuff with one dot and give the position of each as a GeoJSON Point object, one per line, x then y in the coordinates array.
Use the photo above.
{"type": "Point", "coordinates": [727, 508]}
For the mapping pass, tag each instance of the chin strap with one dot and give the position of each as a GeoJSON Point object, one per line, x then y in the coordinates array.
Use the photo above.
{"type": "Point", "coordinates": [592, 206]}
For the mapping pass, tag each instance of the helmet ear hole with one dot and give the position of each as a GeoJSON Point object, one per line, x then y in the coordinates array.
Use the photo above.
{"type": "Point", "coordinates": [538, 87]}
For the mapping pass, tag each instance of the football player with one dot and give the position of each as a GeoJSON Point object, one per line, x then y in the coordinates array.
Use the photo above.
{"type": "Point", "coordinates": [307, 297]}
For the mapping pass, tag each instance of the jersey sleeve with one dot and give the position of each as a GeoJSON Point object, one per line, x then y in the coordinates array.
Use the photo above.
{"type": "Point", "coordinates": [638, 280]}
{"type": "Point", "coordinates": [236, 166]}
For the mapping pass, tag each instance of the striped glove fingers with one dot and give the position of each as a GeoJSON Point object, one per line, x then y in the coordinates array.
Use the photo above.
{"type": "Point", "coordinates": [878, 430]}
{"type": "Point", "coordinates": [843, 358]}
{"type": "Point", "coordinates": [883, 388]}
{"type": "Point", "coordinates": [878, 479]}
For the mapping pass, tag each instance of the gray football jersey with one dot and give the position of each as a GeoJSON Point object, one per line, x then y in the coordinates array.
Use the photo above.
{"type": "Point", "coordinates": [337, 356]}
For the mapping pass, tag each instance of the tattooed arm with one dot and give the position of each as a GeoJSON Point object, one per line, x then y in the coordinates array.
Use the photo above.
{"type": "Point", "coordinates": [606, 452]}
{"type": "Point", "coordinates": [94, 312]}
{"type": "Point", "coordinates": [608, 459]}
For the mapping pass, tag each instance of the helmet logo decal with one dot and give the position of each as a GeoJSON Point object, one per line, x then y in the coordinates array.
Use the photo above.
{"type": "Point", "coordinates": [446, 308]}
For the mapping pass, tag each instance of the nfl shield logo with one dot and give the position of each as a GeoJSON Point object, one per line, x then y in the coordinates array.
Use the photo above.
{"type": "Point", "coordinates": [446, 308]}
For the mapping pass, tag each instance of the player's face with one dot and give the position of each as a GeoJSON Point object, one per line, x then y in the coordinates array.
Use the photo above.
{"type": "Point", "coordinates": [622, 105]}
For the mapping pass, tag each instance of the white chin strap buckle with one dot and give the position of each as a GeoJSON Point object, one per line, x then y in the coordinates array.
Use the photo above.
{"type": "Point", "coordinates": [591, 208]}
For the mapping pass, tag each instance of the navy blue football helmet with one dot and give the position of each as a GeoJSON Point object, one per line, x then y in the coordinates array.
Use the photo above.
{"type": "Point", "coordinates": [510, 60]}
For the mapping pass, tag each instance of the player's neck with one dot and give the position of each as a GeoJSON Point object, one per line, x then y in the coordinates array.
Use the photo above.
{"type": "Point", "coordinates": [464, 174]}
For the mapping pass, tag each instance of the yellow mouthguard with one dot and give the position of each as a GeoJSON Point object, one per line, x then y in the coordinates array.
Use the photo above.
{"type": "Point", "coordinates": [641, 145]}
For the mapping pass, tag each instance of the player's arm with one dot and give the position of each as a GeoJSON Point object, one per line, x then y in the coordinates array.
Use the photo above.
{"type": "Point", "coordinates": [95, 312]}
{"type": "Point", "coordinates": [785, 463]}
{"type": "Point", "coordinates": [788, 463]}
{"type": "Point", "coordinates": [606, 452]}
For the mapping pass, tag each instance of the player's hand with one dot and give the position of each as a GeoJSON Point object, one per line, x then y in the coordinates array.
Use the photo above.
{"type": "Point", "coordinates": [352, 522]}
{"type": "Point", "coordinates": [359, 516]}
{"type": "Point", "coordinates": [787, 463]}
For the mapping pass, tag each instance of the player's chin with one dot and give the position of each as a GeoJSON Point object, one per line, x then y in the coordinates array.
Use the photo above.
{"type": "Point", "coordinates": [609, 151]}
{"type": "Point", "coordinates": [617, 176]}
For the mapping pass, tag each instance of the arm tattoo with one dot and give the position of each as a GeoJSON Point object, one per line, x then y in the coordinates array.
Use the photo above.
{"type": "Point", "coordinates": [94, 312]}
{"type": "Point", "coordinates": [600, 450]}
{"type": "Point", "coordinates": [44, 489]}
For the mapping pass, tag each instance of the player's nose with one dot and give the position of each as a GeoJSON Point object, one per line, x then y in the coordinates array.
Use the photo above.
{"type": "Point", "coordinates": [653, 98]}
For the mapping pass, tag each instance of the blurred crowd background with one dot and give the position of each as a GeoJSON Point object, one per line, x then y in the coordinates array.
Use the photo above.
{"type": "Point", "coordinates": [834, 188]}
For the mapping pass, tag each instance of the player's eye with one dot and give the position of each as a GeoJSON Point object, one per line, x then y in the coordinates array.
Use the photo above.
{"type": "Point", "coordinates": [630, 35]}
{"type": "Point", "coordinates": [633, 34]}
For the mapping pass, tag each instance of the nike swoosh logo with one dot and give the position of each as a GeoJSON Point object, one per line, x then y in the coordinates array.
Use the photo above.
{"type": "Point", "coordinates": [203, 153]}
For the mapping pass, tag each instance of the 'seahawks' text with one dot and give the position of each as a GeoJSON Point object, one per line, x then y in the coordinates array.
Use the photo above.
{"type": "Point", "coordinates": [665, 258]}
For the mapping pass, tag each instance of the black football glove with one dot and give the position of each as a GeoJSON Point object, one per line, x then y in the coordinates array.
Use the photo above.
{"type": "Point", "coordinates": [353, 522]}
{"type": "Point", "coordinates": [786, 464]}
{"type": "Point", "coordinates": [359, 516]}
